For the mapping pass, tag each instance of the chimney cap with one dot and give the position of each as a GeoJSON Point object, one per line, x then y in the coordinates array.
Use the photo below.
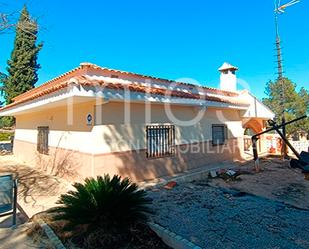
{"type": "Point", "coordinates": [227, 66]}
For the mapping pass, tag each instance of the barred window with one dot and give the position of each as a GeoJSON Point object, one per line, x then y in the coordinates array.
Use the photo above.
{"type": "Point", "coordinates": [160, 140]}
{"type": "Point", "coordinates": [219, 134]}
{"type": "Point", "coordinates": [42, 143]}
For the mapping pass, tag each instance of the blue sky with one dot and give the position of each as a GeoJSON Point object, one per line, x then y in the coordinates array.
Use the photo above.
{"type": "Point", "coordinates": [169, 39]}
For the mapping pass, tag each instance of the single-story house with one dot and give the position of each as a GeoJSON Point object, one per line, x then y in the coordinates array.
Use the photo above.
{"type": "Point", "coordinates": [94, 120]}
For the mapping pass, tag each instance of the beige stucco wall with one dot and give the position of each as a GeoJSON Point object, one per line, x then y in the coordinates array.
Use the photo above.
{"type": "Point", "coordinates": [114, 135]}
{"type": "Point", "coordinates": [61, 162]}
{"type": "Point", "coordinates": [107, 148]}
{"type": "Point", "coordinates": [135, 165]}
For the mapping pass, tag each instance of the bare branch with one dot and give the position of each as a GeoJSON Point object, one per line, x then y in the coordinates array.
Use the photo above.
{"type": "Point", "coordinates": [5, 24]}
{"type": "Point", "coordinates": [9, 22]}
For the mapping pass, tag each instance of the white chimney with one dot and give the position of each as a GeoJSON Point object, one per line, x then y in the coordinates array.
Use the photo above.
{"type": "Point", "coordinates": [228, 79]}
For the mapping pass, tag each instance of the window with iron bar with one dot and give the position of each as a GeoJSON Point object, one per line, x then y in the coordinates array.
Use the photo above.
{"type": "Point", "coordinates": [160, 141]}
{"type": "Point", "coordinates": [219, 134]}
{"type": "Point", "coordinates": [42, 143]}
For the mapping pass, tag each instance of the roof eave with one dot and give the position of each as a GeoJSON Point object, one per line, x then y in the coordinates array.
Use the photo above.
{"type": "Point", "coordinates": [112, 95]}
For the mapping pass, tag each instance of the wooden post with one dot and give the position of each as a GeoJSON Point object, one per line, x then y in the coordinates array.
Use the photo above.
{"type": "Point", "coordinates": [255, 153]}
{"type": "Point", "coordinates": [14, 203]}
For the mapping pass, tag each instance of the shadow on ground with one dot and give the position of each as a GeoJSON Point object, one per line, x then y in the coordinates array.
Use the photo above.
{"type": "Point", "coordinates": [37, 191]}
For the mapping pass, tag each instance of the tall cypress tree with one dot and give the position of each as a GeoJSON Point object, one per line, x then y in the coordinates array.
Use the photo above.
{"type": "Point", "coordinates": [22, 67]}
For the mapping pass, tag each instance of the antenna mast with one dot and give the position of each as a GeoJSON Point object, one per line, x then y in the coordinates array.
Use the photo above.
{"type": "Point", "coordinates": [278, 43]}
{"type": "Point", "coordinates": [280, 9]}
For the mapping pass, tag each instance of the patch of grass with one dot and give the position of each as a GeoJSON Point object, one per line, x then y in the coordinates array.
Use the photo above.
{"type": "Point", "coordinates": [5, 136]}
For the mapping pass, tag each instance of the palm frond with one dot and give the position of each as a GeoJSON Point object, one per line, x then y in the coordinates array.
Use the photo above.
{"type": "Point", "coordinates": [103, 202]}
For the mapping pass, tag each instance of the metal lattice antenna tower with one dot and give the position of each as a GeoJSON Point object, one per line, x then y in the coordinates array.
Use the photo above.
{"type": "Point", "coordinates": [280, 9]}
{"type": "Point", "coordinates": [278, 49]}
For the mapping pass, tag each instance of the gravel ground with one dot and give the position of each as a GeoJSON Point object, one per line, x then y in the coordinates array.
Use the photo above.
{"type": "Point", "coordinates": [216, 217]}
{"type": "Point", "coordinates": [276, 181]}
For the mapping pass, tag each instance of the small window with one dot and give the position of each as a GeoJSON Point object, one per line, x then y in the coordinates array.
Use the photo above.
{"type": "Point", "coordinates": [219, 134]}
{"type": "Point", "coordinates": [42, 143]}
{"type": "Point", "coordinates": [160, 140]}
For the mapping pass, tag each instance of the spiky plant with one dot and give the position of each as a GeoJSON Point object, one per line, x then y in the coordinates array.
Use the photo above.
{"type": "Point", "coordinates": [104, 202]}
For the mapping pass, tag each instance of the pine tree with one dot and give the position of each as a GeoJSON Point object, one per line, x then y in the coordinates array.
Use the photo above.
{"type": "Point", "coordinates": [23, 65]}
{"type": "Point", "coordinates": [303, 109]}
{"type": "Point", "coordinates": [294, 104]}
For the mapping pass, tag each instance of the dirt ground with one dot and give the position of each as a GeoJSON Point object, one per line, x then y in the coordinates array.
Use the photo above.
{"type": "Point", "coordinates": [37, 191]}
{"type": "Point", "coordinates": [276, 181]}
{"type": "Point", "coordinates": [266, 210]}
{"type": "Point", "coordinates": [17, 239]}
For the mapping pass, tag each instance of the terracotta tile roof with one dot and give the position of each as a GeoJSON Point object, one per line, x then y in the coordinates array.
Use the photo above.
{"type": "Point", "coordinates": [137, 87]}
{"type": "Point", "coordinates": [78, 74]}
{"type": "Point", "coordinates": [167, 81]}
{"type": "Point", "coordinates": [37, 94]}
{"type": "Point", "coordinates": [48, 84]}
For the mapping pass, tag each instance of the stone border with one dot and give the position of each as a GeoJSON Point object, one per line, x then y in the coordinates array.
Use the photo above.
{"type": "Point", "coordinates": [171, 239]}
{"type": "Point", "coordinates": [56, 242]}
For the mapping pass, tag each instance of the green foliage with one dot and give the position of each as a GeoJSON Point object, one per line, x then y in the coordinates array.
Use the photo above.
{"type": "Point", "coordinates": [23, 66]}
{"type": "Point", "coordinates": [249, 132]}
{"type": "Point", "coordinates": [303, 126]}
{"type": "Point", "coordinates": [5, 136]}
{"type": "Point", "coordinates": [294, 105]}
{"type": "Point", "coordinates": [6, 122]}
{"type": "Point", "coordinates": [103, 203]}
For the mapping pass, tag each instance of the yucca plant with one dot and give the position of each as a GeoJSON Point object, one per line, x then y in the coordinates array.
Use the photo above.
{"type": "Point", "coordinates": [103, 203]}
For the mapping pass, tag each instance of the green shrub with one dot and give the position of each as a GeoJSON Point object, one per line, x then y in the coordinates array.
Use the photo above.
{"type": "Point", "coordinates": [6, 122]}
{"type": "Point", "coordinates": [6, 136]}
{"type": "Point", "coordinates": [103, 203]}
